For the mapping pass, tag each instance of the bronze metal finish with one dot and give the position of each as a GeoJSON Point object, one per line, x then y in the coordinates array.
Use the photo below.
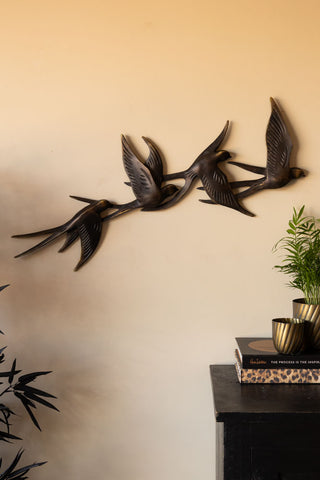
{"type": "Point", "coordinates": [214, 181]}
{"type": "Point", "coordinates": [86, 224]}
{"type": "Point", "coordinates": [145, 178]}
{"type": "Point", "coordinates": [311, 315]}
{"type": "Point", "coordinates": [288, 335]}
{"type": "Point", "coordinates": [277, 172]}
{"type": "Point", "coordinates": [152, 192]}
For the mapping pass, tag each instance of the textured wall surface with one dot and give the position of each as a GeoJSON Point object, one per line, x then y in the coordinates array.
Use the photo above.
{"type": "Point", "coordinates": [131, 335]}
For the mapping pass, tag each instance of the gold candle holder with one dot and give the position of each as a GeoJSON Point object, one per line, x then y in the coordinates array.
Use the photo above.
{"type": "Point", "coordinates": [288, 335]}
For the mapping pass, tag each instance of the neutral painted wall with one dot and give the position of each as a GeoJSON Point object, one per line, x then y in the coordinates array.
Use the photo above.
{"type": "Point", "coordinates": [130, 337]}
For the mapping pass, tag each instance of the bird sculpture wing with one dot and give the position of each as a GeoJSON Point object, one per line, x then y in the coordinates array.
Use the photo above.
{"type": "Point", "coordinates": [214, 146]}
{"type": "Point", "coordinates": [216, 185]}
{"type": "Point", "coordinates": [191, 174]}
{"type": "Point", "coordinates": [88, 227]}
{"type": "Point", "coordinates": [279, 146]}
{"type": "Point", "coordinates": [90, 233]}
{"type": "Point", "coordinates": [141, 180]}
{"type": "Point", "coordinates": [71, 237]}
{"type": "Point", "coordinates": [154, 162]}
{"type": "Point", "coordinates": [279, 143]}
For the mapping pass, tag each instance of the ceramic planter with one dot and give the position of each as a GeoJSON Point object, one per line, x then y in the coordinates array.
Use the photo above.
{"type": "Point", "coordinates": [310, 313]}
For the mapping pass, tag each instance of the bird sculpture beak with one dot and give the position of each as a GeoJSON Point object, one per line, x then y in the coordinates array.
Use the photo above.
{"type": "Point", "coordinates": [82, 199]}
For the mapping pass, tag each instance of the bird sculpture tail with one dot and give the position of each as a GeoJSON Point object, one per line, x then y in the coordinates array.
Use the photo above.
{"type": "Point", "coordinates": [256, 187]}
{"type": "Point", "coordinates": [241, 183]}
{"type": "Point", "coordinates": [58, 231]}
{"type": "Point", "coordinates": [36, 234]}
{"type": "Point", "coordinates": [83, 199]}
{"type": "Point", "coordinates": [237, 207]}
{"type": "Point", "coordinates": [246, 183]}
{"type": "Point", "coordinates": [249, 168]}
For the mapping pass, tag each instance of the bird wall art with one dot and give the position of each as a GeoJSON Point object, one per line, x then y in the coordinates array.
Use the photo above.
{"type": "Point", "coordinates": [152, 191]}
{"type": "Point", "coordinates": [277, 172]}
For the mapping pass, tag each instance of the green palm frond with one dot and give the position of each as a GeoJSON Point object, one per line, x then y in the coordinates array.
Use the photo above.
{"type": "Point", "coordinates": [301, 255]}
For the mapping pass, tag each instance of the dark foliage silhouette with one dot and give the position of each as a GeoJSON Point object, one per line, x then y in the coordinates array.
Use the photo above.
{"type": "Point", "coordinates": [12, 383]}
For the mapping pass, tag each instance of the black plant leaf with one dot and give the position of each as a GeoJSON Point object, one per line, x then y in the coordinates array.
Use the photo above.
{"type": "Point", "coordinates": [11, 474]}
{"type": "Point", "coordinates": [29, 377]}
{"type": "Point", "coordinates": [1, 352]}
{"type": "Point", "coordinates": [7, 374]}
{"type": "Point", "coordinates": [1, 288]}
{"type": "Point", "coordinates": [28, 404]}
{"type": "Point", "coordinates": [35, 398]}
{"type": "Point", "coordinates": [13, 369]}
{"type": "Point", "coordinates": [6, 413]}
{"type": "Point", "coordinates": [13, 465]}
{"type": "Point", "coordinates": [36, 391]}
{"type": "Point", "coordinates": [5, 436]}
{"type": "Point", "coordinates": [29, 398]}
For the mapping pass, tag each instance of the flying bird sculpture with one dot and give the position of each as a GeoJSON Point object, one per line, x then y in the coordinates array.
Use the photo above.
{"type": "Point", "coordinates": [214, 181]}
{"type": "Point", "coordinates": [145, 180]}
{"type": "Point", "coordinates": [152, 190]}
{"type": "Point", "coordinates": [86, 224]}
{"type": "Point", "coordinates": [277, 172]}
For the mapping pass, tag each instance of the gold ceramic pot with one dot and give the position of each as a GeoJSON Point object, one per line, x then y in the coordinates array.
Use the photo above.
{"type": "Point", "coordinates": [288, 335]}
{"type": "Point", "coordinates": [311, 314]}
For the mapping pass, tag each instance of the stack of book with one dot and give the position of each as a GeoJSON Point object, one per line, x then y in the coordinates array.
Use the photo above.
{"type": "Point", "coordinates": [257, 361]}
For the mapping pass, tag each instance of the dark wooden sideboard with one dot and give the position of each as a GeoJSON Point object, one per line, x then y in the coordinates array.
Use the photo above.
{"type": "Point", "coordinates": [265, 432]}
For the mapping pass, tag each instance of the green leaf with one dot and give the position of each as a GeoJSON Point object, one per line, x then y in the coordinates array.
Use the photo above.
{"type": "Point", "coordinates": [301, 249]}
{"type": "Point", "coordinates": [292, 226]}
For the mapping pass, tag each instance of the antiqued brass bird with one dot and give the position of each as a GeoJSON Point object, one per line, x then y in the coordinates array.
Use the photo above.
{"type": "Point", "coordinates": [85, 224]}
{"type": "Point", "coordinates": [152, 192]}
{"type": "Point", "coordinates": [145, 180]}
{"type": "Point", "coordinates": [213, 179]}
{"type": "Point", "coordinates": [277, 172]}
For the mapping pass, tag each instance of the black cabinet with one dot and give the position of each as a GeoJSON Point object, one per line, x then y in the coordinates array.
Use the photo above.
{"type": "Point", "coordinates": [265, 432]}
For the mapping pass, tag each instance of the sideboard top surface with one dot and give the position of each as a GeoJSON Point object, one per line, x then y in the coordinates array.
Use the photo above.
{"type": "Point", "coordinates": [261, 402]}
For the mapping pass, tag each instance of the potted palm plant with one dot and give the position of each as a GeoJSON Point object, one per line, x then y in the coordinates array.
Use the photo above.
{"type": "Point", "coordinates": [301, 261]}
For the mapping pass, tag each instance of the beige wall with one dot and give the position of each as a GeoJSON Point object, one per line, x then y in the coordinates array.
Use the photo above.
{"type": "Point", "coordinates": [130, 336]}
